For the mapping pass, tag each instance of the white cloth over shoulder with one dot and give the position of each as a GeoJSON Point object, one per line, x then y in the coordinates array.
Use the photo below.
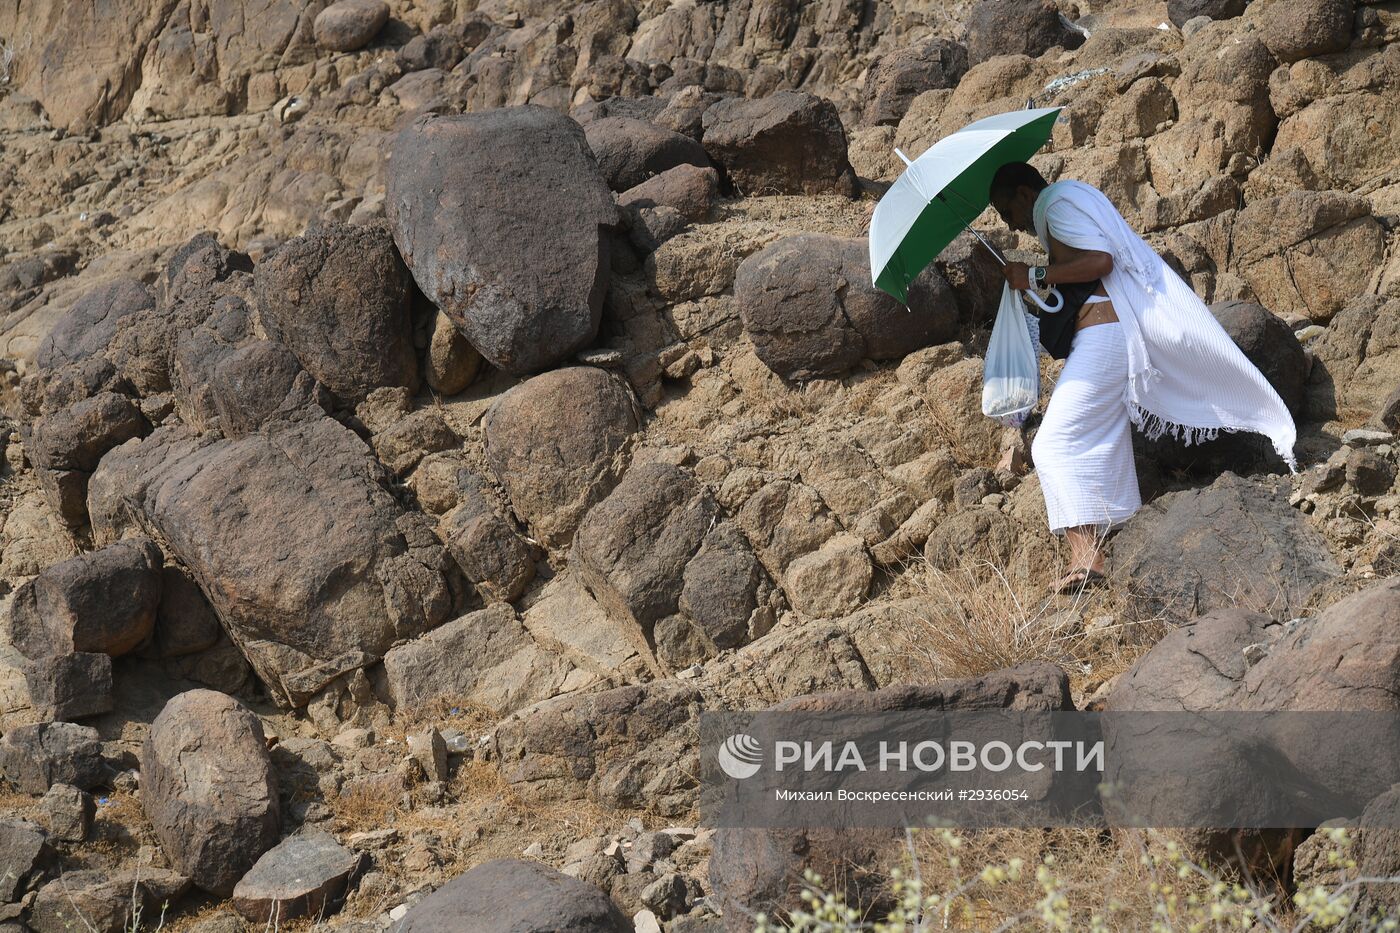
{"type": "Point", "coordinates": [1186, 377]}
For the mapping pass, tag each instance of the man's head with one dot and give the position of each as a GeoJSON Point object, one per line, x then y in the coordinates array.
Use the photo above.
{"type": "Point", "coordinates": [1014, 189]}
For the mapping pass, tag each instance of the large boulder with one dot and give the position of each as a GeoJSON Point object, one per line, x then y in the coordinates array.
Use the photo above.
{"type": "Point", "coordinates": [312, 565]}
{"type": "Point", "coordinates": [304, 875]}
{"type": "Point", "coordinates": [1307, 252]}
{"type": "Point", "coordinates": [586, 418]}
{"type": "Point", "coordinates": [1270, 345]}
{"type": "Point", "coordinates": [67, 444]}
{"type": "Point", "coordinates": [1357, 361]}
{"type": "Point", "coordinates": [790, 142]}
{"type": "Point", "coordinates": [24, 852]}
{"type": "Point", "coordinates": [501, 216]}
{"type": "Point", "coordinates": [634, 746]}
{"type": "Point", "coordinates": [756, 870]}
{"type": "Point", "coordinates": [516, 895]}
{"type": "Point", "coordinates": [103, 602]}
{"type": "Point", "coordinates": [347, 25]}
{"type": "Point", "coordinates": [252, 383]}
{"type": "Point", "coordinates": [656, 554]}
{"type": "Point", "coordinates": [485, 658]}
{"type": "Point", "coordinates": [1233, 659]}
{"type": "Point", "coordinates": [34, 758]}
{"type": "Point", "coordinates": [809, 307]}
{"type": "Point", "coordinates": [88, 327]}
{"type": "Point", "coordinates": [486, 545]}
{"type": "Point", "coordinates": [1016, 27]}
{"type": "Point", "coordinates": [208, 788]}
{"type": "Point", "coordinates": [896, 79]}
{"type": "Point", "coordinates": [1179, 11]}
{"type": "Point", "coordinates": [339, 299]}
{"type": "Point", "coordinates": [1294, 29]}
{"type": "Point", "coordinates": [630, 151]}
{"type": "Point", "coordinates": [1236, 542]}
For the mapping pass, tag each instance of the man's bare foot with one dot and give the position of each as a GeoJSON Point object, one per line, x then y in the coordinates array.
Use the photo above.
{"type": "Point", "coordinates": [1082, 578]}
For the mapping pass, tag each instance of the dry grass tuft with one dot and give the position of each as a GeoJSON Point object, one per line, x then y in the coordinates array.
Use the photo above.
{"type": "Point", "coordinates": [980, 617]}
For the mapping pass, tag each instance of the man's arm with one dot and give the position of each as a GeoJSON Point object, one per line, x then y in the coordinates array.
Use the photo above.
{"type": "Point", "coordinates": [1067, 264]}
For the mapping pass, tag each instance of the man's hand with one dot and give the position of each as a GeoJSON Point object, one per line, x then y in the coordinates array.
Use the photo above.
{"type": "Point", "coordinates": [1018, 274]}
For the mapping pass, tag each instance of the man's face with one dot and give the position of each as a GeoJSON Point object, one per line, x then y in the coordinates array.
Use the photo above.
{"type": "Point", "coordinates": [1017, 211]}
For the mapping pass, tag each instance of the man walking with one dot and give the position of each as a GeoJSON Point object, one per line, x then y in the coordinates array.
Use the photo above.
{"type": "Point", "coordinates": [1143, 350]}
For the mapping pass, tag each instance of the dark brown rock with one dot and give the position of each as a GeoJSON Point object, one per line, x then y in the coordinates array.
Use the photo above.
{"type": "Point", "coordinates": [1179, 11]}
{"type": "Point", "coordinates": [70, 686]}
{"type": "Point", "coordinates": [103, 602]}
{"type": "Point", "coordinates": [67, 812]}
{"type": "Point", "coordinates": [339, 299]}
{"type": "Point", "coordinates": [726, 596]}
{"type": "Point", "coordinates": [663, 206]}
{"type": "Point", "coordinates": [347, 25]}
{"type": "Point", "coordinates": [790, 142]}
{"type": "Point", "coordinates": [492, 554]}
{"type": "Point", "coordinates": [1295, 29]}
{"type": "Point", "coordinates": [513, 894]}
{"type": "Point", "coordinates": [208, 788]}
{"type": "Point", "coordinates": [1235, 542]}
{"type": "Point", "coordinates": [1368, 472]}
{"type": "Point", "coordinates": [688, 189]}
{"type": "Point", "coordinates": [808, 304]}
{"type": "Point", "coordinates": [88, 327]}
{"type": "Point", "coordinates": [896, 79]}
{"type": "Point", "coordinates": [24, 854]}
{"type": "Point", "coordinates": [1016, 27]}
{"type": "Point", "coordinates": [68, 443]}
{"type": "Point", "coordinates": [630, 151]}
{"type": "Point", "coordinates": [516, 255]}
{"type": "Point", "coordinates": [633, 547]}
{"type": "Point", "coordinates": [761, 870]}
{"type": "Point", "coordinates": [215, 329]}
{"type": "Point", "coordinates": [34, 758]}
{"type": "Point", "coordinates": [304, 875]}
{"type": "Point", "coordinates": [586, 417]}
{"type": "Point", "coordinates": [86, 900]}
{"type": "Point", "coordinates": [252, 383]}
{"type": "Point", "coordinates": [307, 599]}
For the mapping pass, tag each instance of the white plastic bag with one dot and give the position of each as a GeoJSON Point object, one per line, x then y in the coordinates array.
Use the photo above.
{"type": "Point", "coordinates": [1011, 374]}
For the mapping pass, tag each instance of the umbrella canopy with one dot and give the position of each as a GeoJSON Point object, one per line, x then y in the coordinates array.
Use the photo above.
{"type": "Point", "coordinates": [942, 192]}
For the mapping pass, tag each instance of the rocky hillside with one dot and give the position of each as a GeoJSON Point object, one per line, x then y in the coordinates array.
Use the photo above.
{"type": "Point", "coordinates": [417, 415]}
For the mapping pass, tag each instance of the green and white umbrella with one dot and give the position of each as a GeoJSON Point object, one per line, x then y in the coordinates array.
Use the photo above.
{"type": "Point", "coordinates": [944, 190]}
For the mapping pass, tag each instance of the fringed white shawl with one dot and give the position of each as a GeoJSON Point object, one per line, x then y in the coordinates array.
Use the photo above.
{"type": "Point", "coordinates": [1186, 377]}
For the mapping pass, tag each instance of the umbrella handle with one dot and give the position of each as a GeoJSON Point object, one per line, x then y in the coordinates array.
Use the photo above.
{"type": "Point", "coordinates": [1056, 297]}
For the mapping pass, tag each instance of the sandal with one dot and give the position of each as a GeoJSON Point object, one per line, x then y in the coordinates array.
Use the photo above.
{"type": "Point", "coordinates": [1080, 580]}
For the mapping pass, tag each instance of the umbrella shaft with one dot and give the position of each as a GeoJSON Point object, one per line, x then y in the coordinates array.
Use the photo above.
{"type": "Point", "coordinates": [983, 240]}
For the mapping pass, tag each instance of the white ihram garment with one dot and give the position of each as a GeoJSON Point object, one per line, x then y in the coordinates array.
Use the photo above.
{"type": "Point", "coordinates": [1083, 449]}
{"type": "Point", "coordinates": [1185, 376]}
